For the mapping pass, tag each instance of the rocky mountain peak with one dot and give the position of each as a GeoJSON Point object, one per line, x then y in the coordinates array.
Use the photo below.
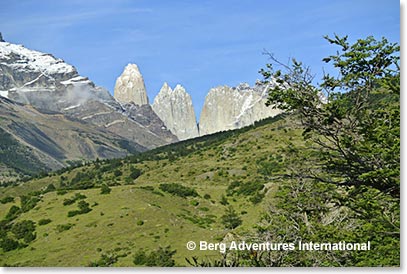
{"type": "Point", "coordinates": [1, 38]}
{"type": "Point", "coordinates": [174, 107]}
{"type": "Point", "coordinates": [228, 108]}
{"type": "Point", "coordinates": [165, 89]}
{"type": "Point", "coordinates": [130, 87]}
{"type": "Point", "coordinates": [180, 89]}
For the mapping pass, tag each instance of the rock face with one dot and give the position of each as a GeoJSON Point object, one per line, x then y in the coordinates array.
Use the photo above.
{"type": "Point", "coordinates": [51, 85]}
{"type": "Point", "coordinates": [175, 109]}
{"type": "Point", "coordinates": [227, 108]}
{"type": "Point", "coordinates": [130, 87]}
{"type": "Point", "coordinates": [33, 140]}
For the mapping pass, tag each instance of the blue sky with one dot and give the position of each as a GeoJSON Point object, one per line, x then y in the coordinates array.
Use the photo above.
{"type": "Point", "coordinates": [199, 44]}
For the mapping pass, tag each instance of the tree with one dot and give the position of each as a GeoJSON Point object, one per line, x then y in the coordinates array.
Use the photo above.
{"type": "Point", "coordinates": [230, 219]}
{"type": "Point", "coordinates": [104, 189]}
{"type": "Point", "coordinates": [354, 118]}
{"type": "Point", "coordinates": [346, 182]}
{"type": "Point", "coordinates": [134, 173]}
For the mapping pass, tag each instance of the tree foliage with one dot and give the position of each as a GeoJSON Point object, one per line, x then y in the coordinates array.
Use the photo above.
{"type": "Point", "coordinates": [231, 219]}
{"type": "Point", "coordinates": [345, 184]}
{"type": "Point", "coordinates": [354, 118]}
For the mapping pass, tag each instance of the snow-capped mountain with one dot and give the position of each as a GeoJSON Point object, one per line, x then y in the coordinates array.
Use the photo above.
{"type": "Point", "coordinates": [48, 83]}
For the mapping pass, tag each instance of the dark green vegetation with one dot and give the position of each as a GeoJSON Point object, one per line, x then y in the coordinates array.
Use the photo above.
{"type": "Point", "coordinates": [13, 154]}
{"type": "Point", "coordinates": [324, 173]}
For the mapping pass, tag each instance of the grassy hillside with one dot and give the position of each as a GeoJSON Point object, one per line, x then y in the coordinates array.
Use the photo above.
{"type": "Point", "coordinates": [144, 210]}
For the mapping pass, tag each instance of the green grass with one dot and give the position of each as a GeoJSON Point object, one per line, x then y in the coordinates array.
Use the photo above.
{"type": "Point", "coordinates": [113, 225]}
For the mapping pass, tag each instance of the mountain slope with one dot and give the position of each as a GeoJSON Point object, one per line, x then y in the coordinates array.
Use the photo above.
{"type": "Point", "coordinates": [55, 116]}
{"type": "Point", "coordinates": [48, 141]}
{"type": "Point", "coordinates": [138, 213]}
{"type": "Point", "coordinates": [48, 83]}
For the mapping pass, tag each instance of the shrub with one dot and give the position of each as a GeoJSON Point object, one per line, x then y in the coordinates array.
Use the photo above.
{"type": "Point", "coordinates": [28, 202]}
{"type": "Point", "coordinates": [140, 222]}
{"type": "Point", "coordinates": [73, 199]}
{"type": "Point", "coordinates": [21, 228]}
{"type": "Point", "coordinates": [7, 199]}
{"type": "Point", "coordinates": [150, 188]}
{"type": "Point", "coordinates": [161, 257]}
{"type": "Point", "coordinates": [24, 230]}
{"type": "Point", "coordinates": [29, 237]}
{"type": "Point", "coordinates": [134, 173]}
{"type": "Point", "coordinates": [50, 188]}
{"type": "Point", "coordinates": [105, 260]}
{"type": "Point", "coordinates": [223, 200]}
{"type": "Point", "coordinates": [104, 189]}
{"type": "Point", "coordinates": [257, 198]}
{"type": "Point", "coordinates": [140, 257]}
{"type": "Point", "coordinates": [207, 196]}
{"type": "Point", "coordinates": [118, 173]}
{"type": "Point", "coordinates": [64, 227]}
{"type": "Point", "coordinates": [194, 202]}
{"type": "Point", "coordinates": [178, 190]}
{"type": "Point", "coordinates": [44, 221]}
{"type": "Point", "coordinates": [8, 244]}
{"type": "Point", "coordinates": [61, 192]}
{"type": "Point", "coordinates": [230, 219]}
{"type": "Point", "coordinates": [83, 209]}
{"type": "Point", "coordinates": [13, 213]}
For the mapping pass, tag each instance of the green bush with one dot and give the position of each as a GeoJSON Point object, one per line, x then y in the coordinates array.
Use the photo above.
{"type": "Point", "coordinates": [230, 219]}
{"type": "Point", "coordinates": [83, 209]}
{"type": "Point", "coordinates": [118, 173]}
{"type": "Point", "coordinates": [105, 260]}
{"type": "Point", "coordinates": [21, 228]}
{"type": "Point", "coordinates": [64, 227]}
{"type": "Point", "coordinates": [194, 202]}
{"type": "Point", "coordinates": [162, 257]}
{"type": "Point", "coordinates": [244, 189]}
{"type": "Point", "coordinates": [134, 173]}
{"type": "Point", "coordinates": [44, 221]}
{"type": "Point", "coordinates": [8, 244]}
{"type": "Point", "coordinates": [140, 257]}
{"type": "Point", "coordinates": [29, 237]}
{"type": "Point", "coordinates": [104, 189]}
{"type": "Point", "coordinates": [73, 199]}
{"type": "Point", "coordinates": [140, 222]}
{"type": "Point", "coordinates": [150, 188]}
{"type": "Point", "coordinates": [50, 188]}
{"type": "Point", "coordinates": [7, 199]}
{"type": "Point", "coordinates": [24, 230]}
{"type": "Point", "coordinates": [61, 192]}
{"type": "Point", "coordinates": [257, 198]}
{"type": "Point", "coordinates": [28, 202]}
{"type": "Point", "coordinates": [223, 200]}
{"type": "Point", "coordinates": [178, 190]}
{"type": "Point", "coordinates": [13, 213]}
